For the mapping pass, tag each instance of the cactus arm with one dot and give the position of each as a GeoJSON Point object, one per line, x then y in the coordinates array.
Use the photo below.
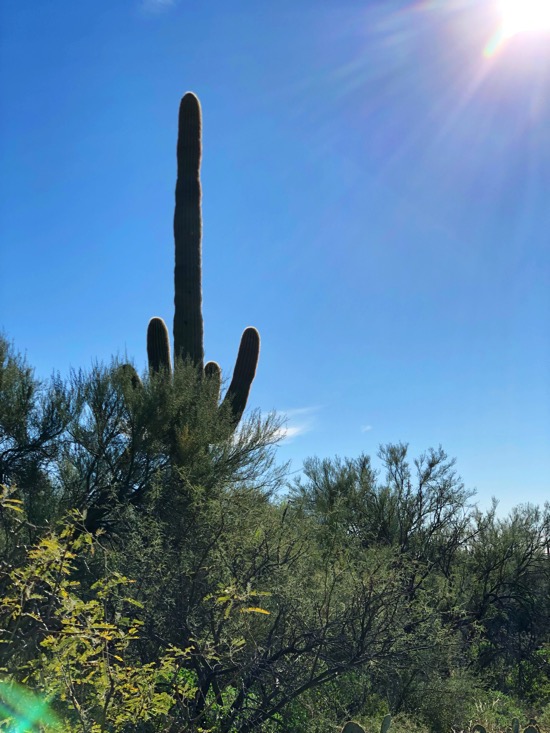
{"type": "Point", "coordinates": [158, 346]}
{"type": "Point", "coordinates": [386, 723]}
{"type": "Point", "coordinates": [213, 373]}
{"type": "Point", "coordinates": [188, 323]}
{"type": "Point", "coordinates": [244, 372]}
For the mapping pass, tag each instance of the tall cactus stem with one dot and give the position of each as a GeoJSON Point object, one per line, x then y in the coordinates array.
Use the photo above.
{"type": "Point", "coordinates": [158, 346]}
{"type": "Point", "coordinates": [188, 323]}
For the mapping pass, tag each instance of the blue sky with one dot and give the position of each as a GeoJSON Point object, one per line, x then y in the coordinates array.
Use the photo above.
{"type": "Point", "coordinates": [375, 202]}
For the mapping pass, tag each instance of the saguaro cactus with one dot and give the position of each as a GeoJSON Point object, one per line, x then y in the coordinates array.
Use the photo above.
{"type": "Point", "coordinates": [188, 321]}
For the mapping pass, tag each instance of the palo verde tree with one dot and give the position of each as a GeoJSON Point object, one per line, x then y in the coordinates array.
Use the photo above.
{"type": "Point", "coordinates": [503, 583]}
{"type": "Point", "coordinates": [34, 415]}
{"type": "Point", "coordinates": [127, 446]}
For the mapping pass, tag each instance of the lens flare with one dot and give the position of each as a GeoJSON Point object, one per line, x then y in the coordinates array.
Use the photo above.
{"type": "Point", "coordinates": [24, 711]}
{"type": "Point", "coordinates": [519, 16]}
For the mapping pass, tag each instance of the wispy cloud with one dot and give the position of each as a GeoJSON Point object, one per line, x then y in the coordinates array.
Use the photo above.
{"type": "Point", "coordinates": [288, 432]}
{"type": "Point", "coordinates": [300, 411]}
{"type": "Point", "coordinates": [299, 420]}
{"type": "Point", "coordinates": [366, 428]}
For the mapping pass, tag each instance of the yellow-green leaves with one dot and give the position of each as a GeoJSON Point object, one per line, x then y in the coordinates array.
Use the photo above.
{"type": "Point", "coordinates": [231, 598]}
{"type": "Point", "coordinates": [84, 640]}
{"type": "Point", "coordinates": [7, 501]}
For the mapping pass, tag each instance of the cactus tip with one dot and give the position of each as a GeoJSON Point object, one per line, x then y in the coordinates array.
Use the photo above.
{"type": "Point", "coordinates": [352, 727]}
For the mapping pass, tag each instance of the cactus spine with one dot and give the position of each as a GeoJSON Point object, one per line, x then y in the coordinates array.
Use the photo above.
{"type": "Point", "coordinates": [188, 321]}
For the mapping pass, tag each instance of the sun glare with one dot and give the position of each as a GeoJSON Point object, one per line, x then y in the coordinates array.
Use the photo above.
{"type": "Point", "coordinates": [524, 16]}
{"type": "Point", "coordinates": [520, 16]}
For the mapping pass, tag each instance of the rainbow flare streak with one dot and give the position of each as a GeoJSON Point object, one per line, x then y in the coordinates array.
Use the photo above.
{"type": "Point", "coordinates": [24, 711]}
{"type": "Point", "coordinates": [494, 43]}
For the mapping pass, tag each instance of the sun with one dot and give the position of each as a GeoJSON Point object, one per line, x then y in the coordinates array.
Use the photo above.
{"type": "Point", "coordinates": [519, 16]}
{"type": "Point", "coordinates": [524, 16]}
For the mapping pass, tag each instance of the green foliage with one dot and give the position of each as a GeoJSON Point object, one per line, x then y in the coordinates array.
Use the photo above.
{"type": "Point", "coordinates": [493, 710]}
{"type": "Point", "coordinates": [421, 512]}
{"type": "Point", "coordinates": [544, 718]}
{"type": "Point", "coordinates": [252, 606]}
{"type": "Point", "coordinates": [503, 583]}
{"type": "Point", "coordinates": [403, 723]}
